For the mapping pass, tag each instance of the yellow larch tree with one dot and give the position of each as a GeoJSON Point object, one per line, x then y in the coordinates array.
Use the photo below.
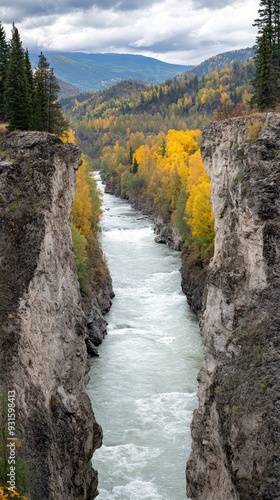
{"type": "Point", "coordinates": [82, 205]}
{"type": "Point", "coordinates": [199, 212]}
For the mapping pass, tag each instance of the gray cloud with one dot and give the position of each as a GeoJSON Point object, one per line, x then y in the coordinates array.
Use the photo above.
{"type": "Point", "coordinates": [173, 43]}
{"type": "Point", "coordinates": [213, 5]}
{"type": "Point", "coordinates": [19, 10]}
{"type": "Point", "coordinates": [183, 31]}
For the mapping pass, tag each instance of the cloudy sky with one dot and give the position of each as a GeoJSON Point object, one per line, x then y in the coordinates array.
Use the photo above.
{"type": "Point", "coordinates": [176, 31]}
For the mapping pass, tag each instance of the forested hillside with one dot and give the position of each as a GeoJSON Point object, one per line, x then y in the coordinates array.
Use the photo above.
{"type": "Point", "coordinates": [220, 61]}
{"type": "Point", "coordinates": [89, 71]}
{"type": "Point", "coordinates": [186, 102]}
{"type": "Point", "coordinates": [145, 139]}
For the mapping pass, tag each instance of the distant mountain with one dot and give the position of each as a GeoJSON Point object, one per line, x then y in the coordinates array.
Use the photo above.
{"type": "Point", "coordinates": [98, 71]}
{"type": "Point", "coordinates": [66, 89]}
{"type": "Point", "coordinates": [218, 62]}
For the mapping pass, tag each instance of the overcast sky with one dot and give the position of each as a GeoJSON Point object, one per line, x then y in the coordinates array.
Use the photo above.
{"type": "Point", "coordinates": [176, 31]}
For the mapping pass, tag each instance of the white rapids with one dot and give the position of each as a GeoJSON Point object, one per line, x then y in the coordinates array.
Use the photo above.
{"type": "Point", "coordinates": [143, 386]}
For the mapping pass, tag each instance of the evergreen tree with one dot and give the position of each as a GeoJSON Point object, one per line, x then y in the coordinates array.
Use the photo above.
{"type": "Point", "coordinates": [4, 51]}
{"type": "Point", "coordinates": [16, 94]}
{"type": "Point", "coordinates": [47, 110]}
{"type": "Point", "coordinates": [267, 79]}
{"type": "Point", "coordinates": [57, 123]}
{"type": "Point", "coordinates": [40, 118]}
{"type": "Point", "coordinates": [262, 81]}
{"type": "Point", "coordinates": [30, 86]}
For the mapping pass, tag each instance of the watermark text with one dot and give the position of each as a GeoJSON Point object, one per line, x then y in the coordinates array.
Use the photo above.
{"type": "Point", "coordinates": [11, 441]}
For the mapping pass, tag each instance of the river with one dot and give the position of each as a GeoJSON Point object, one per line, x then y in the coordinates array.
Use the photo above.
{"type": "Point", "coordinates": [143, 386]}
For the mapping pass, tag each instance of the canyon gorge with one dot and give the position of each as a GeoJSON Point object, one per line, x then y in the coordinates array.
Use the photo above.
{"type": "Point", "coordinates": [235, 429]}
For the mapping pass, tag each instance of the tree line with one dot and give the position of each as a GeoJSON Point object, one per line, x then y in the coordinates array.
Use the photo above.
{"type": "Point", "coordinates": [28, 100]}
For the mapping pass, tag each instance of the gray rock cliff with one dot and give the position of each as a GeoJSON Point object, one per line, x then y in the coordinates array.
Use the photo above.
{"type": "Point", "coordinates": [235, 430]}
{"type": "Point", "coordinates": [42, 327]}
{"type": "Point", "coordinates": [167, 233]}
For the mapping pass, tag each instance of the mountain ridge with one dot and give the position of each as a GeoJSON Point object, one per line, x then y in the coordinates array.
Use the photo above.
{"type": "Point", "coordinates": [81, 71]}
{"type": "Point", "coordinates": [94, 71]}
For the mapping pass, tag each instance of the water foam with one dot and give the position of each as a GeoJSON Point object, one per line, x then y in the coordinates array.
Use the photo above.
{"type": "Point", "coordinates": [135, 490]}
{"type": "Point", "coordinates": [167, 410]}
{"type": "Point", "coordinates": [143, 385]}
{"type": "Point", "coordinates": [130, 235]}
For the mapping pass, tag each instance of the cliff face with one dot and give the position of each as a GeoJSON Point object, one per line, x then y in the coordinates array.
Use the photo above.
{"type": "Point", "coordinates": [235, 430]}
{"type": "Point", "coordinates": [167, 233]}
{"type": "Point", "coordinates": [43, 328]}
{"type": "Point", "coordinates": [193, 273]}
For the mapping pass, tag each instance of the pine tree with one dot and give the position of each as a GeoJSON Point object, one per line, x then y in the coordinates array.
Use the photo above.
{"type": "Point", "coordinates": [267, 79]}
{"type": "Point", "coordinates": [30, 87]}
{"type": "Point", "coordinates": [57, 123]}
{"type": "Point", "coordinates": [16, 94]}
{"type": "Point", "coordinates": [47, 110]}
{"type": "Point", "coordinates": [40, 118]}
{"type": "Point", "coordinates": [4, 52]}
{"type": "Point", "coordinates": [262, 81]}
{"type": "Point", "coordinates": [276, 50]}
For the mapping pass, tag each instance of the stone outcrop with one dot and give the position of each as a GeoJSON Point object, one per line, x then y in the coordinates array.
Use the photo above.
{"type": "Point", "coordinates": [235, 431]}
{"type": "Point", "coordinates": [43, 327]}
{"type": "Point", "coordinates": [96, 304]}
{"type": "Point", "coordinates": [167, 233]}
{"type": "Point", "coordinates": [194, 274]}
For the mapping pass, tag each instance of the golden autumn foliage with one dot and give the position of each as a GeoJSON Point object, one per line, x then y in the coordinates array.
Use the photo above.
{"type": "Point", "coordinates": [199, 214]}
{"type": "Point", "coordinates": [195, 170]}
{"type": "Point", "coordinates": [199, 211]}
{"type": "Point", "coordinates": [82, 207]}
{"type": "Point", "coordinates": [8, 494]}
{"type": "Point", "coordinates": [140, 138]}
{"type": "Point", "coordinates": [68, 136]}
{"type": "Point", "coordinates": [166, 175]}
{"type": "Point", "coordinates": [86, 211]}
{"type": "Point", "coordinates": [185, 102]}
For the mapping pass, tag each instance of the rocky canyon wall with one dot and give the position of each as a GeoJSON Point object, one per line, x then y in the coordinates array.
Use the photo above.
{"type": "Point", "coordinates": [235, 431]}
{"type": "Point", "coordinates": [43, 328]}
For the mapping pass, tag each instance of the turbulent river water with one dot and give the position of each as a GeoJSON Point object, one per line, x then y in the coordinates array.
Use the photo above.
{"type": "Point", "coordinates": [143, 386]}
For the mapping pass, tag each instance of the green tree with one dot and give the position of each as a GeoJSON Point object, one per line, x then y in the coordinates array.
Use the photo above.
{"type": "Point", "coordinates": [57, 123]}
{"type": "Point", "coordinates": [47, 110]}
{"type": "Point", "coordinates": [30, 87]}
{"type": "Point", "coordinates": [40, 94]}
{"type": "Point", "coordinates": [4, 51]}
{"type": "Point", "coordinates": [17, 93]}
{"type": "Point", "coordinates": [267, 79]}
{"type": "Point", "coordinates": [262, 81]}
